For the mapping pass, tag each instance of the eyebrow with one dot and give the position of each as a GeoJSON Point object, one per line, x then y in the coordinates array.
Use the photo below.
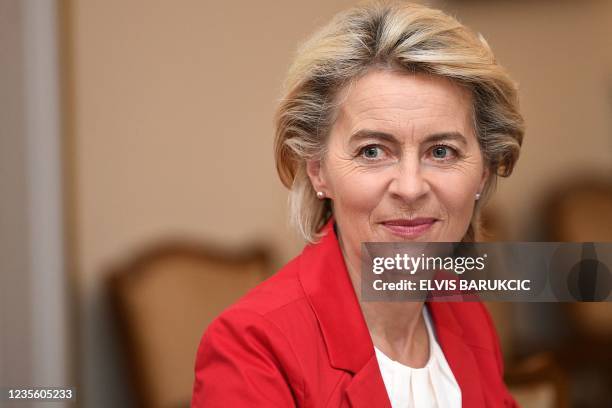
{"type": "Point", "coordinates": [363, 134]}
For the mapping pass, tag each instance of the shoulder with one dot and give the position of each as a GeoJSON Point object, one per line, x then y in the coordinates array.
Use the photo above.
{"type": "Point", "coordinates": [246, 356]}
{"type": "Point", "coordinates": [278, 294]}
{"type": "Point", "coordinates": [268, 336]}
{"type": "Point", "coordinates": [275, 309]}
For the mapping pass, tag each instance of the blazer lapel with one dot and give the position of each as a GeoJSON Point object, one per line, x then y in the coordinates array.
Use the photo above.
{"type": "Point", "coordinates": [326, 282]}
{"type": "Point", "coordinates": [367, 388]}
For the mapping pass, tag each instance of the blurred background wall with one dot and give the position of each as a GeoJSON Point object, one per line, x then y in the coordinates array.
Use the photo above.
{"type": "Point", "coordinates": [167, 133]}
{"type": "Point", "coordinates": [171, 115]}
{"type": "Point", "coordinates": [561, 54]}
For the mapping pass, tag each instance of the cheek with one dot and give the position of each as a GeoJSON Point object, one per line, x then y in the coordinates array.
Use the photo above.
{"type": "Point", "coordinates": [456, 193]}
{"type": "Point", "coordinates": [358, 193]}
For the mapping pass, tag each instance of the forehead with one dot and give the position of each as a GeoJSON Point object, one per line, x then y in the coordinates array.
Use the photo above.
{"type": "Point", "coordinates": [394, 101]}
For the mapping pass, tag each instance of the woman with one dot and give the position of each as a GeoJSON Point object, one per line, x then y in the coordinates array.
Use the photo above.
{"type": "Point", "coordinates": [395, 124]}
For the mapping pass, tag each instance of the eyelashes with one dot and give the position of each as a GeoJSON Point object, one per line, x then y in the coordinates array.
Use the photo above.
{"type": "Point", "coordinates": [442, 153]}
{"type": "Point", "coordinates": [372, 152]}
{"type": "Point", "coordinates": [439, 148]}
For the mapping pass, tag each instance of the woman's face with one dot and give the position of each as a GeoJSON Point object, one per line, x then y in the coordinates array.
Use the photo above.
{"type": "Point", "coordinates": [403, 162]}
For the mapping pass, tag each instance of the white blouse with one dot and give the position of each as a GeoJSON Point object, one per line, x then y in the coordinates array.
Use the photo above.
{"type": "Point", "coordinates": [431, 386]}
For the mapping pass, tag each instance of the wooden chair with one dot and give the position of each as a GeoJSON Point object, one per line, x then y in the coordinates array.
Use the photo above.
{"type": "Point", "coordinates": [582, 212]}
{"type": "Point", "coordinates": [163, 301]}
{"type": "Point", "coordinates": [538, 381]}
{"type": "Point", "coordinates": [535, 380]}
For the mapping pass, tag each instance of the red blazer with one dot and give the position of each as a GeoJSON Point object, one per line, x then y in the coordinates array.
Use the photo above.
{"type": "Point", "coordinates": [299, 339]}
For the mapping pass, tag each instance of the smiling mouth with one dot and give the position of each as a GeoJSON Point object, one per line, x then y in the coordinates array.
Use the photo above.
{"type": "Point", "coordinates": [409, 228]}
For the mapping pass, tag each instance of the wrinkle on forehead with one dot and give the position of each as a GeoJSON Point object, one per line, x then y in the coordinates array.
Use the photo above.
{"type": "Point", "coordinates": [397, 102]}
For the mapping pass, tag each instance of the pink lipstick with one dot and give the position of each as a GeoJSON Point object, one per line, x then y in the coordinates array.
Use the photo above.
{"type": "Point", "coordinates": [409, 228]}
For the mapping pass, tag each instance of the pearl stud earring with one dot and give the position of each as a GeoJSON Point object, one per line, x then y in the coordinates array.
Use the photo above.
{"type": "Point", "coordinates": [320, 195]}
{"type": "Point", "coordinates": [477, 196]}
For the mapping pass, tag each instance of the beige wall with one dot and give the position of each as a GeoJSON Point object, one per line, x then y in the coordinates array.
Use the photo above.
{"type": "Point", "coordinates": [561, 55]}
{"type": "Point", "coordinates": [171, 118]}
{"type": "Point", "coordinates": [172, 131]}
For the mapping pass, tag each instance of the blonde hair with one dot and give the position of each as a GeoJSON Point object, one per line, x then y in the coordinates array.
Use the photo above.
{"type": "Point", "coordinates": [399, 36]}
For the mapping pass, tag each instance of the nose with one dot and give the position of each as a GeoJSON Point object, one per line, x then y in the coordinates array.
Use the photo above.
{"type": "Point", "coordinates": [409, 182]}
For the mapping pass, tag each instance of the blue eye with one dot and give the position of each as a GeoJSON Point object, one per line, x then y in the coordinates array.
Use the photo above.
{"type": "Point", "coordinates": [439, 152]}
{"type": "Point", "coordinates": [371, 152]}
{"type": "Point", "coordinates": [442, 152]}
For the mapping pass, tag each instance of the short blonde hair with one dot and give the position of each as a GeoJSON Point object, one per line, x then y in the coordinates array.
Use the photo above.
{"type": "Point", "coordinates": [398, 36]}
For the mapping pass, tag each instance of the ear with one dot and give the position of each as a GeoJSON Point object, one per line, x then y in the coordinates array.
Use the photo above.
{"type": "Point", "coordinates": [316, 174]}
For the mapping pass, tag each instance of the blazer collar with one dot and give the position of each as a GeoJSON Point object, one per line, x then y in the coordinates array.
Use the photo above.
{"type": "Point", "coordinates": [328, 287]}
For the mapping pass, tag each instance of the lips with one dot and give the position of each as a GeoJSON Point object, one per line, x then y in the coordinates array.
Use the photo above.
{"type": "Point", "coordinates": [409, 228]}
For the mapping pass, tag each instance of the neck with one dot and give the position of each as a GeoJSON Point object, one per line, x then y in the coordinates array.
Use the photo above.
{"type": "Point", "coordinates": [397, 328]}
